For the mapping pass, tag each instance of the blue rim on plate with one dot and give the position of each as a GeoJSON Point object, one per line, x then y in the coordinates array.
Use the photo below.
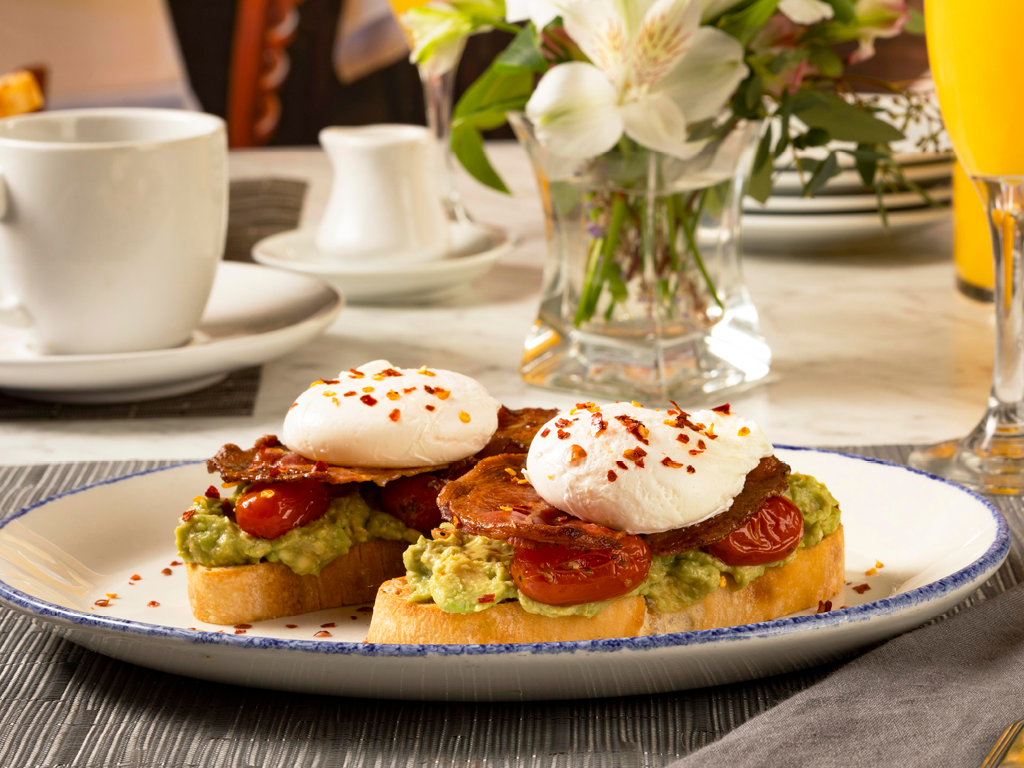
{"type": "Point", "coordinates": [990, 560]}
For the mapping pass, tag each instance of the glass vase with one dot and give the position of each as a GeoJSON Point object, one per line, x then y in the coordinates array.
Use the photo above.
{"type": "Point", "coordinates": [643, 294]}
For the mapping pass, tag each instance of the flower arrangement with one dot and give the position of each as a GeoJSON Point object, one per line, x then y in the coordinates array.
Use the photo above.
{"type": "Point", "coordinates": [648, 103]}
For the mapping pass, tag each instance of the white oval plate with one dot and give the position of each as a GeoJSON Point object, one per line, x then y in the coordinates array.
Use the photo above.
{"type": "Point", "coordinates": [254, 314]}
{"type": "Point", "coordinates": [845, 203]}
{"type": "Point", "coordinates": [938, 543]}
{"type": "Point", "coordinates": [475, 250]}
{"type": "Point", "coordinates": [834, 232]}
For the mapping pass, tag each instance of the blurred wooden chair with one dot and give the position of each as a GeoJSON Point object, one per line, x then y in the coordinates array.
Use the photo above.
{"type": "Point", "coordinates": [259, 66]}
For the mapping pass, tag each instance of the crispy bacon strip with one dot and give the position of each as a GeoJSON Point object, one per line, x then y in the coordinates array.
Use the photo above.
{"type": "Point", "coordinates": [270, 461]}
{"type": "Point", "coordinates": [764, 481]}
{"type": "Point", "coordinates": [516, 430]}
{"type": "Point", "coordinates": [491, 501]}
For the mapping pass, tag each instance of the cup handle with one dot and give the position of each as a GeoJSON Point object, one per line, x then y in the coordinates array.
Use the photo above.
{"type": "Point", "coordinates": [11, 312]}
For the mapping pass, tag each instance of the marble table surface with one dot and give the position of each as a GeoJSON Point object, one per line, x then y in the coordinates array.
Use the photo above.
{"type": "Point", "coordinates": [869, 348]}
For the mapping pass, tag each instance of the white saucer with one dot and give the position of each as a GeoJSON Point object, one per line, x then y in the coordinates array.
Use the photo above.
{"type": "Point", "coordinates": [253, 315]}
{"type": "Point", "coordinates": [475, 249]}
{"type": "Point", "coordinates": [833, 232]}
{"type": "Point", "coordinates": [845, 203]}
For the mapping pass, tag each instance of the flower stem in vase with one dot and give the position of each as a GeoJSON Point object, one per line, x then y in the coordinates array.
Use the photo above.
{"type": "Point", "coordinates": [601, 263]}
{"type": "Point", "coordinates": [438, 91]}
{"type": "Point", "coordinates": [689, 227]}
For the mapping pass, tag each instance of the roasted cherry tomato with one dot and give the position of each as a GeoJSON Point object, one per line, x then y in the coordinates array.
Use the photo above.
{"type": "Point", "coordinates": [271, 510]}
{"type": "Point", "coordinates": [772, 533]}
{"type": "Point", "coordinates": [557, 575]}
{"type": "Point", "coordinates": [413, 500]}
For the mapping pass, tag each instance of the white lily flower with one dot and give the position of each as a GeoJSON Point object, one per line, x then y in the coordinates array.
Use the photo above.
{"type": "Point", "coordinates": [540, 12]}
{"type": "Point", "coordinates": [439, 30]}
{"type": "Point", "coordinates": [655, 70]}
{"type": "Point", "coordinates": [806, 12]}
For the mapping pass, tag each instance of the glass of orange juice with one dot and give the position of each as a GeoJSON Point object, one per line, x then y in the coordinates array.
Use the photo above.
{"type": "Point", "coordinates": [974, 55]}
{"type": "Point", "coordinates": [438, 94]}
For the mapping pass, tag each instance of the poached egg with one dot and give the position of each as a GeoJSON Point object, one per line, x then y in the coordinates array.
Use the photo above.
{"type": "Point", "coordinates": [642, 470]}
{"type": "Point", "coordinates": [378, 415]}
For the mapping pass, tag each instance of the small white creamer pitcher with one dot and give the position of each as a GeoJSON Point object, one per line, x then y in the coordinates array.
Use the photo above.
{"type": "Point", "coordinates": [385, 202]}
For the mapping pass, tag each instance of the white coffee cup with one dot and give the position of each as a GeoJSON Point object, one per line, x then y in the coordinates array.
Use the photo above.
{"type": "Point", "coordinates": [385, 201]}
{"type": "Point", "coordinates": [112, 222]}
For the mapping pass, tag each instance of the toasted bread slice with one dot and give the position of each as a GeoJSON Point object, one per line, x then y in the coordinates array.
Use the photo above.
{"type": "Point", "coordinates": [816, 574]}
{"type": "Point", "coordinates": [398, 620]}
{"type": "Point", "coordinates": [242, 594]}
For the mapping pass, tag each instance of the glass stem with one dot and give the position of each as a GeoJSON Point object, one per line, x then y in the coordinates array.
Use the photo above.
{"type": "Point", "coordinates": [1001, 433]}
{"type": "Point", "coordinates": [438, 92]}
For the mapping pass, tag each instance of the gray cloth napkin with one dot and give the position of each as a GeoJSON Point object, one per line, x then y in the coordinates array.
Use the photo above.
{"type": "Point", "coordinates": [938, 696]}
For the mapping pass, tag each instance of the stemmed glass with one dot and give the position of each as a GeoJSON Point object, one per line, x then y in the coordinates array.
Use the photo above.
{"type": "Point", "coordinates": [974, 53]}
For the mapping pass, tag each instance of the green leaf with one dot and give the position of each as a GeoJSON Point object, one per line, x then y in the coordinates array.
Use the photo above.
{"type": "Point", "coordinates": [786, 60]}
{"type": "Point", "coordinates": [760, 186]}
{"type": "Point", "coordinates": [844, 11]}
{"type": "Point", "coordinates": [752, 92]}
{"type": "Point", "coordinates": [496, 85]}
{"type": "Point", "coordinates": [826, 61]}
{"type": "Point", "coordinates": [828, 168]}
{"type": "Point", "coordinates": [867, 169]}
{"type": "Point", "coordinates": [815, 137]}
{"type": "Point", "coordinates": [784, 112]}
{"type": "Point", "coordinates": [843, 121]}
{"type": "Point", "coordinates": [468, 146]}
{"type": "Point", "coordinates": [915, 24]}
{"type": "Point", "coordinates": [524, 52]}
{"type": "Point", "coordinates": [746, 23]}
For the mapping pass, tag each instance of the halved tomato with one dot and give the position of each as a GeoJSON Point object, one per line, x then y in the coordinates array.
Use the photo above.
{"type": "Point", "coordinates": [556, 575]}
{"type": "Point", "coordinates": [270, 510]}
{"type": "Point", "coordinates": [773, 532]}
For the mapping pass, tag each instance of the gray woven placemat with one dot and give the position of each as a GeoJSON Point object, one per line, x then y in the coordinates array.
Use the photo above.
{"type": "Point", "coordinates": [62, 705]}
{"type": "Point", "coordinates": [257, 208]}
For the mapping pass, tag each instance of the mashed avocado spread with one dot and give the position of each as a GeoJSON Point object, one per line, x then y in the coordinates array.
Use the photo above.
{"type": "Point", "coordinates": [466, 574]}
{"type": "Point", "coordinates": [213, 539]}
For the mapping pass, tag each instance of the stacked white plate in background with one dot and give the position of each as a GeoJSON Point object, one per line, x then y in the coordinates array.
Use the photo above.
{"type": "Point", "coordinates": [844, 215]}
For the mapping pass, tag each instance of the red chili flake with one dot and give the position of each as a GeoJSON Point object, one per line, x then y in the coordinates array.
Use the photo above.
{"type": "Point", "coordinates": [243, 626]}
{"type": "Point", "coordinates": [669, 463]}
{"type": "Point", "coordinates": [640, 463]}
{"type": "Point", "coordinates": [354, 374]}
{"type": "Point", "coordinates": [166, 571]}
{"type": "Point", "coordinates": [577, 453]}
{"type": "Point", "coordinates": [565, 422]}
{"type": "Point", "coordinates": [389, 372]}
{"type": "Point", "coordinates": [102, 602]}
{"type": "Point", "coordinates": [612, 477]}
{"type": "Point", "coordinates": [395, 415]}
{"type": "Point", "coordinates": [193, 629]}
{"type": "Point", "coordinates": [621, 465]}
{"type": "Point", "coordinates": [329, 381]}
{"type": "Point", "coordinates": [176, 562]}
{"type": "Point", "coordinates": [684, 439]}
{"type": "Point", "coordinates": [320, 466]}
{"type": "Point", "coordinates": [486, 599]}
{"type": "Point", "coordinates": [353, 393]}
{"type": "Point", "coordinates": [423, 369]}
{"type": "Point", "coordinates": [744, 431]}
{"type": "Point", "coordinates": [152, 604]}
{"type": "Point", "coordinates": [860, 589]}
{"type": "Point", "coordinates": [292, 406]}
{"type": "Point", "coordinates": [635, 427]}
{"type": "Point", "coordinates": [429, 407]}
{"type": "Point", "coordinates": [634, 453]}
{"type": "Point", "coordinates": [239, 631]}
{"type": "Point", "coordinates": [407, 390]}
{"type": "Point", "coordinates": [696, 452]}
{"type": "Point", "coordinates": [722, 409]}
{"type": "Point", "coordinates": [562, 434]}
{"type": "Point", "coordinates": [598, 422]}
{"type": "Point", "coordinates": [212, 493]}
{"type": "Point", "coordinates": [823, 607]}
{"type": "Point", "coordinates": [322, 633]}
{"type": "Point", "coordinates": [291, 626]}
{"type": "Point", "coordinates": [546, 432]}
{"type": "Point", "coordinates": [429, 389]}
{"type": "Point", "coordinates": [689, 469]}
{"type": "Point", "coordinates": [701, 445]}
{"type": "Point", "coordinates": [365, 609]}
{"type": "Point", "coordinates": [136, 577]}
{"type": "Point", "coordinates": [586, 407]}
{"type": "Point", "coordinates": [187, 514]}
{"type": "Point", "coordinates": [368, 400]}
{"type": "Point", "coordinates": [328, 625]}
